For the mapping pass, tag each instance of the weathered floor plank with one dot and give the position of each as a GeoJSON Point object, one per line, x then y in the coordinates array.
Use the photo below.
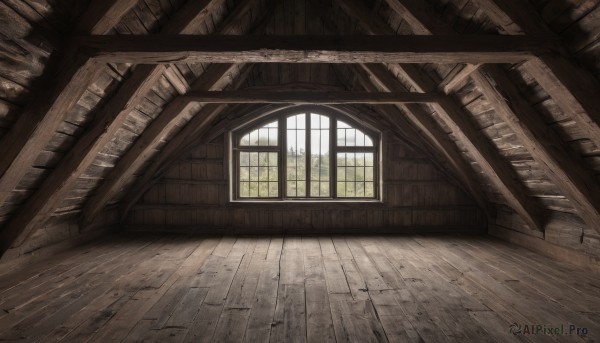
{"type": "Point", "coordinates": [167, 288]}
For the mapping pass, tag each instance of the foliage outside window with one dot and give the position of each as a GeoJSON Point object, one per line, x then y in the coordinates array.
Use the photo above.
{"type": "Point", "coordinates": [305, 155]}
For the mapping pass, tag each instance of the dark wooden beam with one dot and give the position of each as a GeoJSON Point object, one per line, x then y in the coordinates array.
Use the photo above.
{"type": "Point", "coordinates": [101, 16]}
{"type": "Point", "coordinates": [573, 89]}
{"type": "Point", "coordinates": [567, 172]}
{"type": "Point", "coordinates": [381, 78]}
{"type": "Point", "coordinates": [457, 77]}
{"type": "Point", "coordinates": [216, 77]}
{"type": "Point", "coordinates": [109, 119]}
{"type": "Point", "coordinates": [160, 49]}
{"type": "Point", "coordinates": [66, 84]}
{"type": "Point", "coordinates": [451, 113]}
{"type": "Point", "coordinates": [196, 129]}
{"type": "Point", "coordinates": [138, 154]}
{"type": "Point", "coordinates": [564, 169]}
{"type": "Point", "coordinates": [309, 97]}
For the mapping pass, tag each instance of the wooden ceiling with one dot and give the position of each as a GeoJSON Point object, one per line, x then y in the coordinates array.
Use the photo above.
{"type": "Point", "coordinates": [98, 98]}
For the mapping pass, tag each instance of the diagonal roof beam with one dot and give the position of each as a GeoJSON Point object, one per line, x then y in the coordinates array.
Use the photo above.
{"type": "Point", "coordinates": [101, 16]}
{"type": "Point", "coordinates": [189, 135]}
{"type": "Point", "coordinates": [110, 118]}
{"type": "Point", "coordinates": [378, 76]}
{"type": "Point", "coordinates": [567, 172]}
{"type": "Point", "coordinates": [144, 146]}
{"type": "Point", "coordinates": [216, 77]}
{"type": "Point", "coordinates": [66, 83]}
{"type": "Point", "coordinates": [484, 153]}
{"type": "Point", "coordinates": [381, 78]}
{"type": "Point", "coordinates": [574, 90]}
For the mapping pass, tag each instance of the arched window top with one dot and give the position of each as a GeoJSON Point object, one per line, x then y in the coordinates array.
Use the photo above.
{"type": "Point", "coordinates": [266, 135]}
{"type": "Point", "coordinates": [350, 136]}
{"type": "Point", "coordinates": [305, 155]}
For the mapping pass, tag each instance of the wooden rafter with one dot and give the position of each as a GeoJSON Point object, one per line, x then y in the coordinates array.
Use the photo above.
{"type": "Point", "coordinates": [101, 16]}
{"type": "Point", "coordinates": [457, 77]}
{"type": "Point", "coordinates": [380, 77]}
{"type": "Point", "coordinates": [574, 90]}
{"type": "Point", "coordinates": [214, 78]}
{"type": "Point", "coordinates": [565, 170]}
{"type": "Point", "coordinates": [111, 117]}
{"type": "Point", "coordinates": [197, 127]}
{"type": "Point", "coordinates": [21, 145]}
{"type": "Point", "coordinates": [160, 49]}
{"type": "Point", "coordinates": [485, 154]}
{"type": "Point", "coordinates": [309, 97]}
{"type": "Point", "coordinates": [419, 117]}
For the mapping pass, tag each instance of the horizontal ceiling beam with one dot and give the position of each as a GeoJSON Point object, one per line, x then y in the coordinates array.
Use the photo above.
{"type": "Point", "coordinates": [160, 49]}
{"type": "Point", "coordinates": [309, 97]}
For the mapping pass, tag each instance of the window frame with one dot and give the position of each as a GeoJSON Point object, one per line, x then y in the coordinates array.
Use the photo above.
{"type": "Point", "coordinates": [280, 116]}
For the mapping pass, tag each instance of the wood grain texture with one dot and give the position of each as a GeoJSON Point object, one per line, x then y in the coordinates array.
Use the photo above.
{"type": "Point", "coordinates": [313, 49]}
{"type": "Point", "coordinates": [323, 288]}
{"type": "Point", "coordinates": [456, 119]}
{"type": "Point", "coordinates": [485, 152]}
{"type": "Point", "coordinates": [565, 170]}
{"type": "Point", "coordinates": [572, 87]}
{"type": "Point", "coordinates": [309, 97]}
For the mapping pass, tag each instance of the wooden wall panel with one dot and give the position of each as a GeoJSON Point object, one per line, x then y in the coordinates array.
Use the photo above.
{"type": "Point", "coordinates": [194, 196]}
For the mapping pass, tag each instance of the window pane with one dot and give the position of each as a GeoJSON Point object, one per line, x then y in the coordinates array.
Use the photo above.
{"type": "Point", "coordinates": [349, 136]}
{"type": "Point", "coordinates": [253, 173]}
{"type": "Point", "coordinates": [341, 189]}
{"type": "Point", "coordinates": [296, 156]}
{"type": "Point", "coordinates": [244, 174]}
{"type": "Point", "coordinates": [341, 137]}
{"type": "Point", "coordinates": [306, 175]}
{"type": "Point", "coordinates": [245, 140]}
{"type": "Point", "coordinates": [368, 173]}
{"type": "Point", "coordinates": [369, 189]}
{"type": "Point", "coordinates": [258, 174]}
{"type": "Point", "coordinates": [341, 174]}
{"type": "Point", "coordinates": [319, 150]}
{"type": "Point", "coordinates": [355, 180]}
{"type": "Point", "coordinates": [301, 188]}
{"type": "Point", "coordinates": [263, 136]}
{"type": "Point", "coordinates": [273, 189]}
{"type": "Point", "coordinates": [244, 189]}
{"type": "Point", "coordinates": [314, 189]}
{"type": "Point", "coordinates": [325, 189]}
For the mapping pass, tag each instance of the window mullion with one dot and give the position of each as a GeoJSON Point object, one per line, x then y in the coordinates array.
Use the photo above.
{"type": "Point", "coordinates": [307, 161]}
{"type": "Point", "coordinates": [282, 157]}
{"type": "Point", "coordinates": [333, 157]}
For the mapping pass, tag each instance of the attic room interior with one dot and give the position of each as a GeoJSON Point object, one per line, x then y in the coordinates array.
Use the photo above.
{"type": "Point", "coordinates": [300, 170]}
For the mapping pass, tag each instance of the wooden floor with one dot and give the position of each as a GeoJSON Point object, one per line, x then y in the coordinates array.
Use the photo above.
{"type": "Point", "coordinates": [287, 289]}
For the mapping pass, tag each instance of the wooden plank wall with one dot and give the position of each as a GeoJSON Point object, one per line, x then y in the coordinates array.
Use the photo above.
{"type": "Point", "coordinates": [193, 195]}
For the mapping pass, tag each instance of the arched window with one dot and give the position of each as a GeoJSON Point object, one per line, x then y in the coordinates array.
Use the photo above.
{"type": "Point", "coordinates": [312, 155]}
